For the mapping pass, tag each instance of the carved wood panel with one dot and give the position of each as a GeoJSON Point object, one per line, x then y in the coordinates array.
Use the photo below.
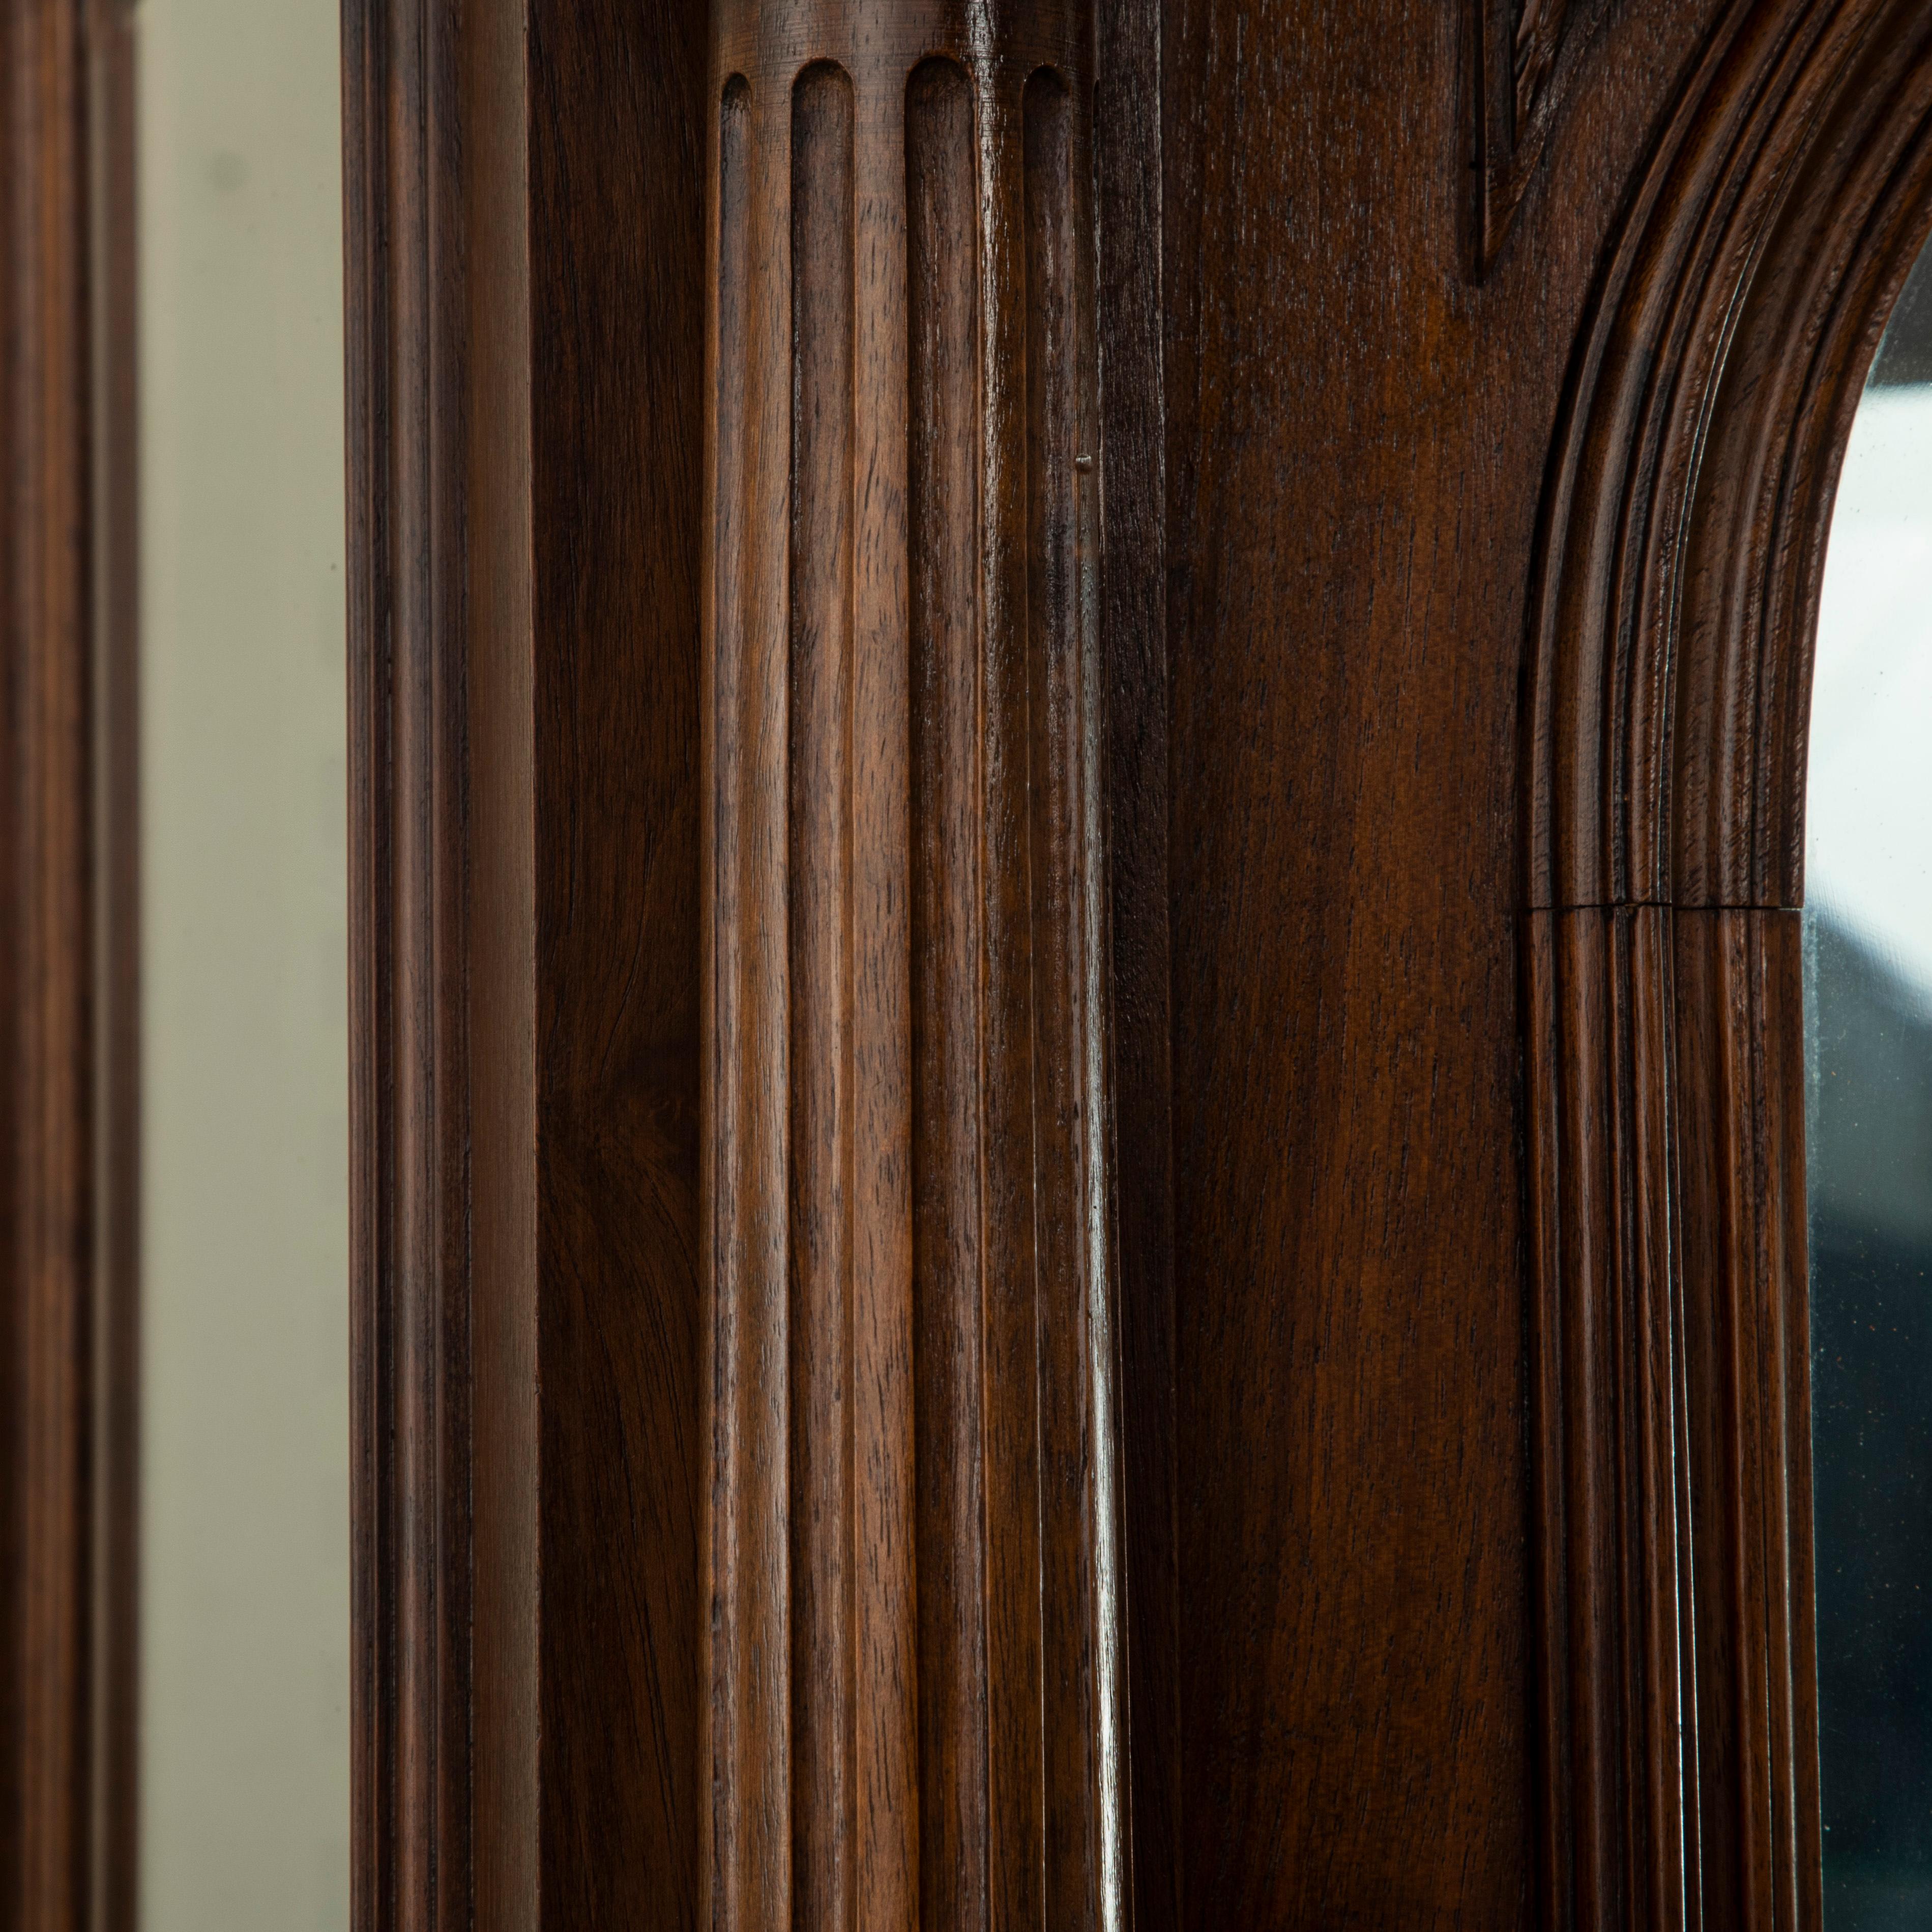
{"type": "Point", "coordinates": [916, 1703]}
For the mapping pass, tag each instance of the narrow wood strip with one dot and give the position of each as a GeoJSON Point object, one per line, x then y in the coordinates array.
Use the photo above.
{"type": "Point", "coordinates": [501, 943]}
{"type": "Point", "coordinates": [824, 1560]}
{"type": "Point", "coordinates": [1589, 1289]}
{"type": "Point", "coordinates": [949, 1265]}
{"type": "Point", "coordinates": [1132, 308]}
{"type": "Point", "coordinates": [1612, 1563]}
{"type": "Point", "coordinates": [885, 1824]}
{"type": "Point", "coordinates": [114, 1664]}
{"type": "Point", "coordinates": [48, 1111]}
{"type": "Point", "coordinates": [749, 1867]}
{"type": "Point", "coordinates": [1015, 1663]}
{"type": "Point", "coordinates": [1745, 1443]}
{"type": "Point", "coordinates": [1658, 1679]}
{"type": "Point", "coordinates": [1547, 1068]}
{"type": "Point", "coordinates": [1084, 1745]}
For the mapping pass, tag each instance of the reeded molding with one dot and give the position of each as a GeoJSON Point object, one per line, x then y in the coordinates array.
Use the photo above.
{"type": "Point", "coordinates": [1672, 625]}
{"type": "Point", "coordinates": [1692, 480]}
{"type": "Point", "coordinates": [916, 1702]}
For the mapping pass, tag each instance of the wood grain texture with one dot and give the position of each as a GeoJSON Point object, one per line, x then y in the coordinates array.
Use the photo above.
{"type": "Point", "coordinates": [1740, 1028]}
{"type": "Point", "coordinates": [1526, 58]}
{"type": "Point", "coordinates": [1357, 437]}
{"type": "Point", "coordinates": [68, 1083]}
{"type": "Point", "coordinates": [524, 958]}
{"type": "Point", "coordinates": [1133, 627]}
{"type": "Point", "coordinates": [1616, 1693]}
{"type": "Point", "coordinates": [618, 129]}
{"type": "Point", "coordinates": [1685, 531]}
{"type": "Point", "coordinates": [917, 1703]}
{"type": "Point", "coordinates": [1670, 641]}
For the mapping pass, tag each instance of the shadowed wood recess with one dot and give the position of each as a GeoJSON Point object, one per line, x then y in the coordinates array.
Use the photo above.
{"type": "Point", "coordinates": [1689, 500]}
{"type": "Point", "coordinates": [1527, 54]}
{"type": "Point", "coordinates": [524, 634]}
{"type": "Point", "coordinates": [916, 1702]}
{"type": "Point", "coordinates": [67, 967]}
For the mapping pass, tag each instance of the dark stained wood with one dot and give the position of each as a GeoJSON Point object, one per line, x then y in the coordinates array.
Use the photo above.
{"type": "Point", "coordinates": [68, 1073]}
{"type": "Point", "coordinates": [917, 1701]}
{"type": "Point", "coordinates": [1617, 1708]}
{"type": "Point", "coordinates": [1685, 525]}
{"type": "Point", "coordinates": [1772, 225]}
{"type": "Point", "coordinates": [524, 208]}
{"type": "Point", "coordinates": [618, 134]}
{"type": "Point", "coordinates": [1526, 55]}
{"type": "Point", "coordinates": [1080, 1194]}
{"type": "Point", "coordinates": [1741, 1111]}
{"type": "Point", "coordinates": [1127, 139]}
{"type": "Point", "coordinates": [1690, 499]}
{"type": "Point", "coordinates": [1358, 439]}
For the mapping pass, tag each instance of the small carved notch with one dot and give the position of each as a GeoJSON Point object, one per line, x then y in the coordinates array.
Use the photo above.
{"type": "Point", "coordinates": [1527, 54]}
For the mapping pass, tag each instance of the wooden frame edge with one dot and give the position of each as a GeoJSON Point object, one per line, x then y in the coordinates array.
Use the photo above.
{"type": "Point", "coordinates": [1664, 738]}
{"type": "Point", "coordinates": [69, 1122]}
{"type": "Point", "coordinates": [445, 1707]}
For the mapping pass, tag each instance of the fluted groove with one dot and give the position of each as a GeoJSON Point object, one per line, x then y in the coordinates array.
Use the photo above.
{"type": "Point", "coordinates": [748, 1738]}
{"type": "Point", "coordinates": [915, 1713]}
{"type": "Point", "coordinates": [948, 938]}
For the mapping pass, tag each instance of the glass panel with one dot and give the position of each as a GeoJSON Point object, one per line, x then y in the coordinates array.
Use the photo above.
{"type": "Point", "coordinates": [1868, 977]}
{"type": "Point", "coordinates": [244, 1773]}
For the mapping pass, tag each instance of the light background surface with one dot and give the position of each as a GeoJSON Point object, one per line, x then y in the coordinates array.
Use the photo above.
{"type": "Point", "coordinates": [244, 1766]}
{"type": "Point", "coordinates": [1868, 856]}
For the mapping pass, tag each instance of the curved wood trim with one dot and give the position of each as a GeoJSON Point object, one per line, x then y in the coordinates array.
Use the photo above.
{"type": "Point", "coordinates": [1684, 527]}
{"type": "Point", "coordinates": [917, 1667]}
{"type": "Point", "coordinates": [1691, 484]}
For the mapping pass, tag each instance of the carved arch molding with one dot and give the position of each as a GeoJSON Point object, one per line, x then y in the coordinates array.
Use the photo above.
{"type": "Point", "coordinates": [1684, 532]}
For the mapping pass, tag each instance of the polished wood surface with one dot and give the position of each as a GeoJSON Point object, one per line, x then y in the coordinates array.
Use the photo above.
{"type": "Point", "coordinates": [525, 443]}
{"type": "Point", "coordinates": [1081, 1194]}
{"type": "Point", "coordinates": [1358, 430]}
{"type": "Point", "coordinates": [1689, 503]}
{"type": "Point", "coordinates": [917, 1709]}
{"type": "Point", "coordinates": [68, 970]}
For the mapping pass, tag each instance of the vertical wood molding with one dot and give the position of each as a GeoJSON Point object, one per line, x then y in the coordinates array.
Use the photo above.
{"type": "Point", "coordinates": [409, 1175]}
{"type": "Point", "coordinates": [528, 1605]}
{"type": "Point", "coordinates": [1610, 1503]}
{"type": "Point", "coordinates": [67, 967]}
{"type": "Point", "coordinates": [1740, 1014]}
{"type": "Point", "coordinates": [444, 1704]}
{"type": "Point", "coordinates": [916, 1707]}
{"type": "Point", "coordinates": [1133, 311]}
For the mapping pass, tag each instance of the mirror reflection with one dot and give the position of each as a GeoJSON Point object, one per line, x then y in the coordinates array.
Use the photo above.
{"type": "Point", "coordinates": [1868, 959]}
{"type": "Point", "coordinates": [243, 1764]}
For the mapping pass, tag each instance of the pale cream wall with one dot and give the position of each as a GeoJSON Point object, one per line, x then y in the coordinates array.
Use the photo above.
{"type": "Point", "coordinates": [245, 1635]}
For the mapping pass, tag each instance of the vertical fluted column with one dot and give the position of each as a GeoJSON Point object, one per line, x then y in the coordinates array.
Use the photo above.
{"type": "Point", "coordinates": [915, 1710]}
